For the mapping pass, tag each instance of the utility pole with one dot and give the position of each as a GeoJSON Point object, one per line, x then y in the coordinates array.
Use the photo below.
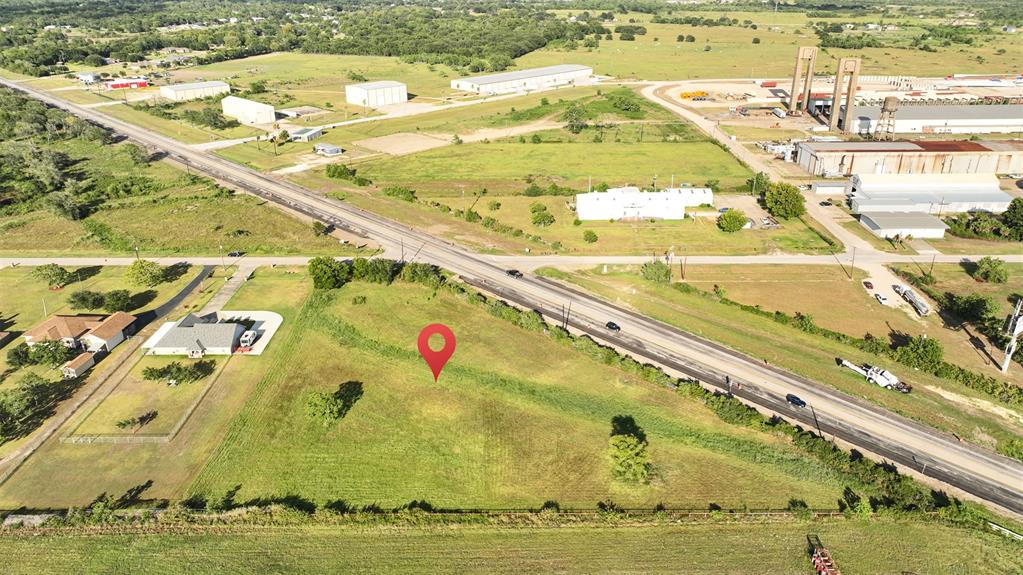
{"type": "Point", "coordinates": [933, 257]}
{"type": "Point", "coordinates": [222, 264]}
{"type": "Point", "coordinates": [816, 422]}
{"type": "Point", "coordinates": [852, 266]}
{"type": "Point", "coordinates": [1014, 330]}
{"type": "Point", "coordinates": [45, 314]}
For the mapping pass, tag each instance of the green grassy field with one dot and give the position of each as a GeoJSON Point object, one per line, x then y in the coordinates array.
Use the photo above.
{"type": "Point", "coordinates": [114, 469]}
{"type": "Point", "coordinates": [658, 56]}
{"type": "Point", "coordinates": [955, 278]}
{"type": "Point", "coordinates": [503, 167]}
{"type": "Point", "coordinates": [135, 396]}
{"type": "Point", "coordinates": [491, 433]}
{"type": "Point", "coordinates": [747, 549]}
{"type": "Point", "coordinates": [155, 222]}
{"type": "Point", "coordinates": [179, 130]}
{"type": "Point", "coordinates": [693, 236]}
{"type": "Point", "coordinates": [956, 408]}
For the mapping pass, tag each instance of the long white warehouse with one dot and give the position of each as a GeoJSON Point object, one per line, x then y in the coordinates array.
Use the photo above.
{"type": "Point", "coordinates": [938, 119]}
{"type": "Point", "coordinates": [376, 94]}
{"type": "Point", "coordinates": [632, 203]}
{"type": "Point", "coordinates": [926, 193]}
{"type": "Point", "coordinates": [524, 80]}
{"type": "Point", "coordinates": [194, 90]}
{"type": "Point", "coordinates": [248, 111]}
{"type": "Point", "coordinates": [886, 225]}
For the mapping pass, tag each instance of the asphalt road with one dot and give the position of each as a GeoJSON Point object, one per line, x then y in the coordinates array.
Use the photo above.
{"type": "Point", "coordinates": [979, 472]}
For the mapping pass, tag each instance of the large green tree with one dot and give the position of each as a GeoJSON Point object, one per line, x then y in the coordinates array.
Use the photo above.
{"type": "Point", "coordinates": [53, 274]}
{"type": "Point", "coordinates": [784, 201]}
{"type": "Point", "coordinates": [991, 270]}
{"type": "Point", "coordinates": [732, 220]}
{"type": "Point", "coordinates": [145, 273]}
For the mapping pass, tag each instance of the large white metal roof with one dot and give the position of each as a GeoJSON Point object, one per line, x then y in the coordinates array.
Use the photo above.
{"type": "Point", "coordinates": [525, 74]}
{"type": "Point", "coordinates": [196, 85]}
{"type": "Point", "coordinates": [378, 85]}
{"type": "Point", "coordinates": [903, 220]}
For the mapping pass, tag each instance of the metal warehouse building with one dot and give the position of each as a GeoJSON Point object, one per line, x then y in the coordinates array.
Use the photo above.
{"type": "Point", "coordinates": [194, 90]}
{"type": "Point", "coordinates": [834, 159]}
{"type": "Point", "coordinates": [248, 111]}
{"type": "Point", "coordinates": [632, 203]}
{"type": "Point", "coordinates": [925, 119]}
{"type": "Point", "coordinates": [891, 224]}
{"type": "Point", "coordinates": [524, 80]}
{"type": "Point", "coordinates": [926, 193]}
{"type": "Point", "coordinates": [376, 94]}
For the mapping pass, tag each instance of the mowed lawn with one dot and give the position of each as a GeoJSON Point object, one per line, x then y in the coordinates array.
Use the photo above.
{"type": "Point", "coordinates": [936, 402]}
{"type": "Point", "coordinates": [777, 548]}
{"type": "Point", "coordinates": [502, 168]}
{"type": "Point", "coordinates": [166, 470]}
{"type": "Point", "coordinates": [496, 431]}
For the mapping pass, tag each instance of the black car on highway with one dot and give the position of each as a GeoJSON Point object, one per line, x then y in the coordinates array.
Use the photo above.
{"type": "Point", "coordinates": [514, 273]}
{"type": "Point", "coordinates": [613, 326]}
{"type": "Point", "coordinates": [795, 400]}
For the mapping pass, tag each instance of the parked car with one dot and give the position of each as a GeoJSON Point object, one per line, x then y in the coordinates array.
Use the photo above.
{"type": "Point", "coordinates": [613, 326]}
{"type": "Point", "coordinates": [794, 400]}
{"type": "Point", "coordinates": [868, 285]}
{"type": "Point", "coordinates": [235, 254]}
{"type": "Point", "coordinates": [825, 203]}
{"type": "Point", "coordinates": [881, 299]}
{"type": "Point", "coordinates": [722, 210]}
{"type": "Point", "coordinates": [514, 273]}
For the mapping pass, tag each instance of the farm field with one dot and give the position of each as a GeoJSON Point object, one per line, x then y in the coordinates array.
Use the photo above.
{"type": "Point", "coordinates": [154, 222]}
{"type": "Point", "coordinates": [657, 55]}
{"type": "Point", "coordinates": [860, 548]}
{"type": "Point", "coordinates": [956, 409]}
{"type": "Point", "coordinates": [161, 471]}
{"type": "Point", "coordinates": [493, 433]}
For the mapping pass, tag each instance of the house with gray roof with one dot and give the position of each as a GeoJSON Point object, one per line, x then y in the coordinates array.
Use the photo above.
{"type": "Point", "coordinates": [195, 337]}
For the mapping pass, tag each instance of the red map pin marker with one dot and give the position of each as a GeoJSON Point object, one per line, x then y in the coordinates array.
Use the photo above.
{"type": "Point", "coordinates": [436, 359]}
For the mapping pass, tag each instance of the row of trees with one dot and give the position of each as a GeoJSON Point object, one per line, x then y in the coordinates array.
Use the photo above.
{"type": "Point", "coordinates": [329, 273]}
{"type": "Point", "coordinates": [178, 372]}
{"type": "Point", "coordinates": [1006, 226]}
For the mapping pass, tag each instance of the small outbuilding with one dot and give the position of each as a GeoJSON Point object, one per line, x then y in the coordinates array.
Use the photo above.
{"type": "Point", "coordinates": [88, 78]}
{"type": "Point", "coordinates": [248, 111]}
{"type": "Point", "coordinates": [79, 365]}
{"type": "Point", "coordinates": [328, 150]}
{"type": "Point", "coordinates": [194, 90]}
{"type": "Point", "coordinates": [127, 83]}
{"type": "Point", "coordinates": [305, 134]}
{"type": "Point", "coordinates": [376, 94]}
{"type": "Point", "coordinates": [888, 225]}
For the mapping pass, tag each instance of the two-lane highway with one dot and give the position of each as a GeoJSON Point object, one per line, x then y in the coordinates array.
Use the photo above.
{"type": "Point", "coordinates": [985, 475]}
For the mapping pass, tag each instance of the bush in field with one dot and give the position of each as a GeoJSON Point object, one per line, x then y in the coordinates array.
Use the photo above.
{"type": "Point", "coordinates": [732, 221]}
{"type": "Point", "coordinates": [52, 274]}
{"type": "Point", "coordinates": [86, 299]}
{"type": "Point", "coordinates": [328, 273]}
{"type": "Point", "coordinates": [655, 271]}
{"type": "Point", "coordinates": [400, 193]}
{"type": "Point", "coordinates": [629, 459]}
{"type": "Point", "coordinates": [991, 270]}
{"type": "Point", "coordinates": [590, 236]}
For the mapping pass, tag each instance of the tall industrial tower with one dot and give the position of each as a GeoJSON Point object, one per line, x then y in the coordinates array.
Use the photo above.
{"type": "Point", "coordinates": [847, 67]}
{"type": "Point", "coordinates": [1014, 331]}
{"type": "Point", "coordinates": [885, 128]}
{"type": "Point", "coordinates": [801, 82]}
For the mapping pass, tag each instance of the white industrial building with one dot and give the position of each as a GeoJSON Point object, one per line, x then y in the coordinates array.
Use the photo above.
{"type": "Point", "coordinates": [921, 157]}
{"type": "Point", "coordinates": [376, 94]}
{"type": "Point", "coordinates": [524, 80]}
{"type": "Point", "coordinates": [939, 119]}
{"type": "Point", "coordinates": [194, 90]}
{"type": "Point", "coordinates": [195, 337]}
{"type": "Point", "coordinates": [248, 111]}
{"type": "Point", "coordinates": [926, 193]}
{"type": "Point", "coordinates": [305, 134]}
{"type": "Point", "coordinates": [633, 203]}
{"type": "Point", "coordinates": [888, 225]}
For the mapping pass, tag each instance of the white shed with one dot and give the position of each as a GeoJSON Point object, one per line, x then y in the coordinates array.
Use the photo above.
{"type": "Point", "coordinates": [248, 111]}
{"type": "Point", "coordinates": [193, 90]}
{"type": "Point", "coordinates": [376, 94]}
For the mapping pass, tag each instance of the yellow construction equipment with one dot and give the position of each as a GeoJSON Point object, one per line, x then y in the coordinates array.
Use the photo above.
{"type": "Point", "coordinates": [692, 95]}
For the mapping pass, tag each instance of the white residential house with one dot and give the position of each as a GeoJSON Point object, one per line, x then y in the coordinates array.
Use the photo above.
{"type": "Point", "coordinates": [195, 337]}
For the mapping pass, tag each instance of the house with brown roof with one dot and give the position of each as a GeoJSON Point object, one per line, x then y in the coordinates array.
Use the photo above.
{"type": "Point", "coordinates": [88, 332]}
{"type": "Point", "coordinates": [79, 365]}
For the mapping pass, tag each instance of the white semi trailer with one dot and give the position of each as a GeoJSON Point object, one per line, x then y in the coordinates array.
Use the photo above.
{"type": "Point", "coordinates": [877, 376]}
{"type": "Point", "coordinates": [914, 300]}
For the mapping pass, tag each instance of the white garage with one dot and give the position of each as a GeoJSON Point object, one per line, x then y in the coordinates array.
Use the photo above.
{"type": "Point", "coordinates": [248, 111]}
{"type": "Point", "coordinates": [193, 90]}
{"type": "Point", "coordinates": [524, 80]}
{"type": "Point", "coordinates": [376, 94]}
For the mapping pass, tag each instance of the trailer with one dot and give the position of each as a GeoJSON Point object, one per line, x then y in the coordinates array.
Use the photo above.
{"type": "Point", "coordinates": [877, 376]}
{"type": "Point", "coordinates": [914, 300]}
{"type": "Point", "coordinates": [820, 557]}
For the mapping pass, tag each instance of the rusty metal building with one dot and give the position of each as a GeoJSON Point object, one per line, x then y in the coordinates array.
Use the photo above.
{"type": "Point", "coordinates": [834, 159]}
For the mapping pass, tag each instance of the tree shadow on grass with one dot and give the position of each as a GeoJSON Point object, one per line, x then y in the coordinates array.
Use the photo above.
{"type": "Point", "coordinates": [626, 425]}
{"type": "Point", "coordinates": [85, 273]}
{"type": "Point", "coordinates": [349, 393]}
{"type": "Point", "coordinates": [141, 299]}
{"type": "Point", "coordinates": [174, 272]}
